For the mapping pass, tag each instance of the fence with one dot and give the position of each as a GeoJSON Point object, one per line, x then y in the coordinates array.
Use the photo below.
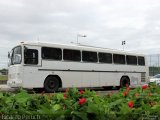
{"type": "Point", "coordinates": [154, 64]}
{"type": "Point", "coordinates": [3, 62]}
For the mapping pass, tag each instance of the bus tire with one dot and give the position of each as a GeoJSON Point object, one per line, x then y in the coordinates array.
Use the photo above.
{"type": "Point", "coordinates": [124, 80]}
{"type": "Point", "coordinates": [51, 84]}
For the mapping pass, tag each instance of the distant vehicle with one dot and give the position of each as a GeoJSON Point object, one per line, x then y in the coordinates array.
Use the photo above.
{"type": "Point", "coordinates": [155, 79]}
{"type": "Point", "coordinates": [54, 66]}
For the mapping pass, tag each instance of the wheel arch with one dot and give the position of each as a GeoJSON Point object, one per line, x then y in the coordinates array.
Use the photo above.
{"type": "Point", "coordinates": [122, 78]}
{"type": "Point", "coordinates": [125, 76]}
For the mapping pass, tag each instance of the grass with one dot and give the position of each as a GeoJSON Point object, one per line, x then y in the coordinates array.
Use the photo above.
{"type": "Point", "coordinates": [3, 77]}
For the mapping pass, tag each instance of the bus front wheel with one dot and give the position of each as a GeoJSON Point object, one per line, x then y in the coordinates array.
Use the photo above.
{"type": "Point", "coordinates": [124, 80]}
{"type": "Point", "coordinates": [51, 84]}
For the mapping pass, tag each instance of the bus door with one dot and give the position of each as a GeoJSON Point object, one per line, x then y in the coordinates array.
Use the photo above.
{"type": "Point", "coordinates": [32, 61]}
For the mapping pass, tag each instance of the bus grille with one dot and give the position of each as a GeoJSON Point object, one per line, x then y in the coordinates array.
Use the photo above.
{"type": "Point", "coordinates": [143, 77]}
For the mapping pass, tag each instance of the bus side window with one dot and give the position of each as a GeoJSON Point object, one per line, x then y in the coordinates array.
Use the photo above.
{"type": "Point", "coordinates": [51, 53]}
{"type": "Point", "coordinates": [71, 55]}
{"type": "Point", "coordinates": [105, 57]}
{"type": "Point", "coordinates": [89, 56]}
{"type": "Point", "coordinates": [31, 56]}
{"type": "Point", "coordinates": [131, 60]}
{"type": "Point", "coordinates": [118, 59]}
{"type": "Point", "coordinates": [141, 61]}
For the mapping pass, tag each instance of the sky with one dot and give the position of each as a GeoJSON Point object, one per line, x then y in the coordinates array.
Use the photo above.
{"type": "Point", "coordinates": [106, 23]}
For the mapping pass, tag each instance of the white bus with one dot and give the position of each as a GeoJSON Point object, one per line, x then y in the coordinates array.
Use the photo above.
{"type": "Point", "coordinates": [54, 66]}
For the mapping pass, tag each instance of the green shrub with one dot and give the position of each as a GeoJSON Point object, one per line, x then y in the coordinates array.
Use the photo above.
{"type": "Point", "coordinates": [137, 104]}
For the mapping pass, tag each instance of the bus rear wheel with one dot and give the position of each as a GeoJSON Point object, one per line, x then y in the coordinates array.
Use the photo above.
{"type": "Point", "coordinates": [51, 84]}
{"type": "Point", "coordinates": [124, 80]}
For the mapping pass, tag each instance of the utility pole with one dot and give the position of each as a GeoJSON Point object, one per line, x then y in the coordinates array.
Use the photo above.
{"type": "Point", "coordinates": [80, 35]}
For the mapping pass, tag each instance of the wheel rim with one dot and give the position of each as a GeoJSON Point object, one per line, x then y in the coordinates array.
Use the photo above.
{"type": "Point", "coordinates": [51, 84]}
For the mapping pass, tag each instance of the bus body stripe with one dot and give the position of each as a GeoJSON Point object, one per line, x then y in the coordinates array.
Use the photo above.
{"type": "Point", "coordinates": [88, 71]}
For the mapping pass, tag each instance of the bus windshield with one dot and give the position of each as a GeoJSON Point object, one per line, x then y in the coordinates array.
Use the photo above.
{"type": "Point", "coordinates": [16, 55]}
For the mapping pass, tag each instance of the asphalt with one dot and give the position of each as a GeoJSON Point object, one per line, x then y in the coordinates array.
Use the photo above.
{"type": "Point", "coordinates": [5, 87]}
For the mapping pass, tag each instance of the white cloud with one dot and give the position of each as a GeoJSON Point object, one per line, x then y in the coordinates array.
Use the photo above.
{"type": "Point", "coordinates": [105, 22]}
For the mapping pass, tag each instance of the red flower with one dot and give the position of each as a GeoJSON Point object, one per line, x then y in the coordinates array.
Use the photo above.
{"type": "Point", "coordinates": [81, 92]}
{"type": "Point", "coordinates": [125, 94]}
{"type": "Point", "coordinates": [67, 90]}
{"type": "Point", "coordinates": [126, 85]}
{"type": "Point", "coordinates": [136, 95]}
{"type": "Point", "coordinates": [144, 87]}
{"type": "Point", "coordinates": [128, 89]}
{"type": "Point", "coordinates": [42, 93]}
{"type": "Point", "coordinates": [65, 96]}
{"type": "Point", "coordinates": [130, 104]}
{"type": "Point", "coordinates": [82, 101]}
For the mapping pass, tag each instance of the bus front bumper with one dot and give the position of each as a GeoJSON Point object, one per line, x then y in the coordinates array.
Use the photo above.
{"type": "Point", "coordinates": [14, 83]}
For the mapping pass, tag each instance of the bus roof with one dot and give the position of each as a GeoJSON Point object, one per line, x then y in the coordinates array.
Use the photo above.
{"type": "Point", "coordinates": [81, 47]}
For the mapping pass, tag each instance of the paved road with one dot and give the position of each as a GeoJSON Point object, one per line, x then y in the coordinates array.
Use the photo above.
{"type": "Point", "coordinates": [99, 92]}
{"type": "Point", "coordinates": [4, 87]}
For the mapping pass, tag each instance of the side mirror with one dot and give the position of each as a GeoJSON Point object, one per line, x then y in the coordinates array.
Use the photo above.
{"type": "Point", "coordinates": [9, 55]}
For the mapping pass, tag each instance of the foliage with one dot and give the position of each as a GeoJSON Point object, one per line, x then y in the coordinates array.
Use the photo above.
{"type": "Point", "coordinates": [3, 77]}
{"type": "Point", "coordinates": [137, 104]}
